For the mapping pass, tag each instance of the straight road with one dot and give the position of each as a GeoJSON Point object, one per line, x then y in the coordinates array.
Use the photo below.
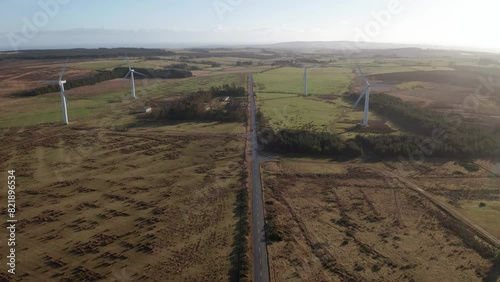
{"type": "Point", "coordinates": [260, 264]}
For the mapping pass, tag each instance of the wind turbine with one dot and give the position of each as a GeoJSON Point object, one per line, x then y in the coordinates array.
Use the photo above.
{"type": "Point", "coordinates": [305, 79]}
{"type": "Point", "coordinates": [131, 72]}
{"type": "Point", "coordinates": [366, 94]}
{"type": "Point", "coordinates": [61, 83]}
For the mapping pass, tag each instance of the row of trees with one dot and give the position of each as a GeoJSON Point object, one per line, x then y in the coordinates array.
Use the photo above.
{"type": "Point", "coordinates": [81, 53]}
{"type": "Point", "coordinates": [326, 144]}
{"type": "Point", "coordinates": [244, 63]}
{"type": "Point", "coordinates": [188, 59]}
{"type": "Point", "coordinates": [286, 63]}
{"type": "Point", "coordinates": [433, 133]}
{"type": "Point", "coordinates": [102, 76]}
{"type": "Point", "coordinates": [183, 66]}
{"type": "Point", "coordinates": [434, 136]}
{"type": "Point", "coordinates": [315, 143]}
{"type": "Point", "coordinates": [197, 106]}
{"type": "Point", "coordinates": [228, 90]}
{"type": "Point", "coordinates": [407, 144]}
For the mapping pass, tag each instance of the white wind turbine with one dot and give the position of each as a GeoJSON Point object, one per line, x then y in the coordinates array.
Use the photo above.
{"type": "Point", "coordinates": [366, 94]}
{"type": "Point", "coordinates": [131, 72]}
{"type": "Point", "coordinates": [305, 80]}
{"type": "Point", "coordinates": [61, 83]}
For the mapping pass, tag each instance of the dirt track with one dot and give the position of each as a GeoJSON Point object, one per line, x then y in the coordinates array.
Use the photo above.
{"type": "Point", "coordinates": [483, 234]}
{"type": "Point", "coordinates": [344, 222]}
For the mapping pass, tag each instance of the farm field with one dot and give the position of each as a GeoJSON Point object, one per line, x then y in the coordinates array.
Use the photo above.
{"type": "Point", "coordinates": [473, 95]}
{"type": "Point", "coordinates": [87, 103]}
{"type": "Point", "coordinates": [344, 221]}
{"type": "Point", "coordinates": [322, 81]}
{"type": "Point", "coordinates": [103, 205]}
{"type": "Point", "coordinates": [465, 190]}
{"type": "Point", "coordinates": [114, 198]}
{"type": "Point", "coordinates": [429, 83]}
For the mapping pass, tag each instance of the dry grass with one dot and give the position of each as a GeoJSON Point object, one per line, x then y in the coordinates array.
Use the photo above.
{"type": "Point", "coordinates": [97, 205]}
{"type": "Point", "coordinates": [353, 224]}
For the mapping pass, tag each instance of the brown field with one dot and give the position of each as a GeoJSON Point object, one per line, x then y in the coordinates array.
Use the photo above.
{"type": "Point", "coordinates": [447, 90]}
{"type": "Point", "coordinates": [459, 187]}
{"type": "Point", "coordinates": [24, 75]}
{"type": "Point", "coordinates": [347, 222]}
{"type": "Point", "coordinates": [106, 199]}
{"type": "Point", "coordinates": [140, 205]}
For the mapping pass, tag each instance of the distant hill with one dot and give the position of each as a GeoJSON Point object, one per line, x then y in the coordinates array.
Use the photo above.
{"type": "Point", "coordinates": [382, 49]}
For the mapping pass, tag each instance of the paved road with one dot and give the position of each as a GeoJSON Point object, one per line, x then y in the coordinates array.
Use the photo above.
{"type": "Point", "coordinates": [260, 265]}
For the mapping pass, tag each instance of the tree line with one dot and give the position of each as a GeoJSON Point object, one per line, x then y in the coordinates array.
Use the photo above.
{"type": "Point", "coordinates": [315, 143]}
{"type": "Point", "coordinates": [183, 66]}
{"type": "Point", "coordinates": [197, 106]}
{"type": "Point", "coordinates": [244, 63]}
{"type": "Point", "coordinates": [452, 137]}
{"type": "Point", "coordinates": [82, 53]}
{"type": "Point", "coordinates": [101, 76]}
{"type": "Point", "coordinates": [189, 59]}
{"type": "Point", "coordinates": [432, 135]}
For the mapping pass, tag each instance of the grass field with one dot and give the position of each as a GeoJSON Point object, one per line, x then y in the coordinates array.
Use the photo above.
{"type": "Point", "coordinates": [86, 104]}
{"type": "Point", "coordinates": [486, 216]}
{"type": "Point", "coordinates": [322, 81]}
{"type": "Point", "coordinates": [321, 113]}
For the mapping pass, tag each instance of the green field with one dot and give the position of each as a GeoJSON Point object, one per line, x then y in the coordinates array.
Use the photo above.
{"type": "Point", "coordinates": [322, 81]}
{"type": "Point", "coordinates": [280, 98]}
{"type": "Point", "coordinates": [486, 217]}
{"type": "Point", "coordinates": [114, 105]}
{"type": "Point", "coordinates": [293, 111]}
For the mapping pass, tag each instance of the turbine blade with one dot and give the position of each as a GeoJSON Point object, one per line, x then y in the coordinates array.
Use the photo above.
{"type": "Point", "coordinates": [381, 85]}
{"type": "Point", "coordinates": [362, 74]}
{"type": "Point", "coordinates": [64, 69]}
{"type": "Point", "coordinates": [128, 62]}
{"type": "Point", "coordinates": [136, 72]}
{"type": "Point", "coordinates": [50, 81]}
{"type": "Point", "coordinates": [128, 74]}
{"type": "Point", "coordinates": [360, 97]}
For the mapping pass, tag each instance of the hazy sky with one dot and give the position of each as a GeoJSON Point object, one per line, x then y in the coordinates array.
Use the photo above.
{"type": "Point", "coordinates": [142, 23]}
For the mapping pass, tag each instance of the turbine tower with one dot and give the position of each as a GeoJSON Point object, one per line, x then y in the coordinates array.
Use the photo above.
{"type": "Point", "coordinates": [305, 79]}
{"type": "Point", "coordinates": [131, 72]}
{"type": "Point", "coordinates": [366, 94]}
{"type": "Point", "coordinates": [61, 83]}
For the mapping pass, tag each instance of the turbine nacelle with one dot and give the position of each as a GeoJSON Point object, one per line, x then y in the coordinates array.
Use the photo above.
{"type": "Point", "coordinates": [131, 73]}
{"type": "Point", "coordinates": [366, 95]}
{"type": "Point", "coordinates": [61, 83]}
